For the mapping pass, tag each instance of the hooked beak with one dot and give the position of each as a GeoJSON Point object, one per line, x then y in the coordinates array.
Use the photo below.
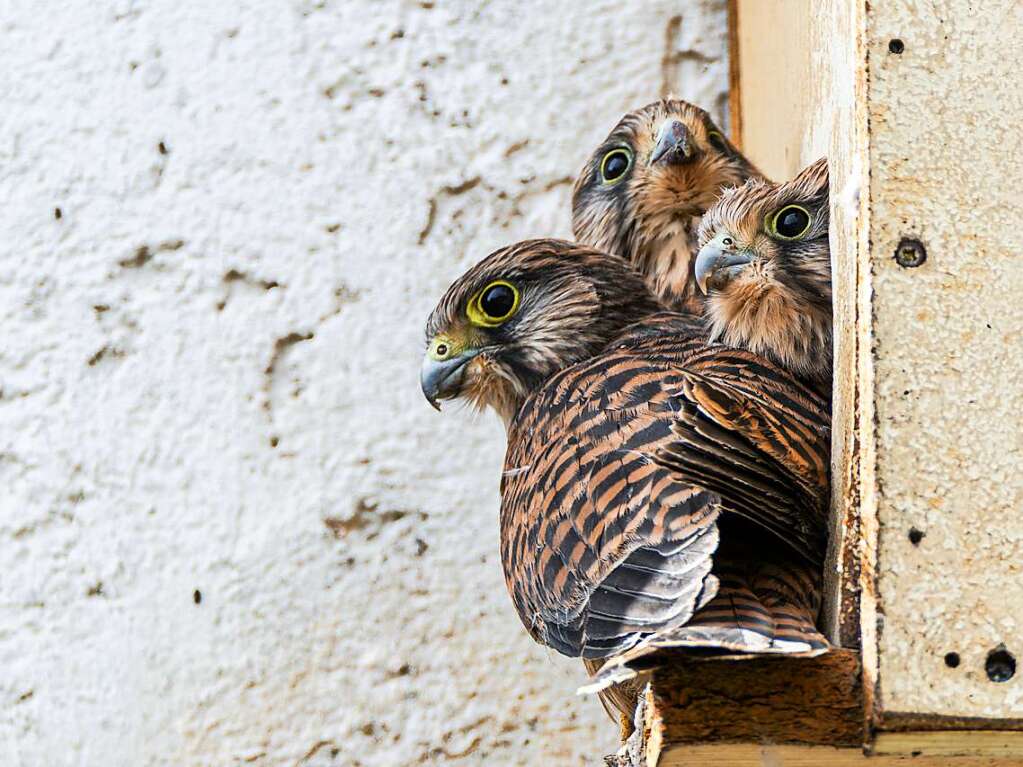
{"type": "Point", "coordinates": [674, 145]}
{"type": "Point", "coordinates": [718, 262]}
{"type": "Point", "coordinates": [443, 378]}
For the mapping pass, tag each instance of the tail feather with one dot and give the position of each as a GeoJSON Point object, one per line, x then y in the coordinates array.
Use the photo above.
{"type": "Point", "coordinates": [759, 608]}
{"type": "Point", "coordinates": [618, 700]}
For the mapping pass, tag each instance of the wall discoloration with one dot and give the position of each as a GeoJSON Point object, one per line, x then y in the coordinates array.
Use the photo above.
{"type": "Point", "coordinates": [191, 190]}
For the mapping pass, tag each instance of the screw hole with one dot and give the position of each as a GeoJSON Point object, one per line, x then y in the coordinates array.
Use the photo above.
{"type": "Point", "coordinates": [910, 252]}
{"type": "Point", "coordinates": [896, 46]}
{"type": "Point", "coordinates": [58, 214]}
{"type": "Point", "coordinates": [915, 536]}
{"type": "Point", "coordinates": [1000, 665]}
{"type": "Point", "coordinates": [952, 659]}
{"type": "Point", "coordinates": [197, 596]}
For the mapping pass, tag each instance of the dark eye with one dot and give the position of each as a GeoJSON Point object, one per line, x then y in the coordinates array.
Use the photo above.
{"type": "Point", "coordinates": [614, 165]}
{"type": "Point", "coordinates": [790, 223]}
{"type": "Point", "coordinates": [497, 301]}
{"type": "Point", "coordinates": [494, 304]}
{"type": "Point", "coordinates": [717, 141]}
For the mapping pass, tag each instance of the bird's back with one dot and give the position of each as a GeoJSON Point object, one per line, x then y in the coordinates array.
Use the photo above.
{"type": "Point", "coordinates": [617, 471]}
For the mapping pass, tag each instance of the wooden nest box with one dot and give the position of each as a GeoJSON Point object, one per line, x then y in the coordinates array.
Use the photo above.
{"type": "Point", "coordinates": [918, 107]}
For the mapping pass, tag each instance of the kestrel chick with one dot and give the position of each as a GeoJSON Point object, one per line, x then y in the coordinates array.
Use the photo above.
{"type": "Point", "coordinates": [766, 266]}
{"type": "Point", "coordinates": [641, 194]}
{"type": "Point", "coordinates": [655, 487]}
{"type": "Point", "coordinates": [522, 314]}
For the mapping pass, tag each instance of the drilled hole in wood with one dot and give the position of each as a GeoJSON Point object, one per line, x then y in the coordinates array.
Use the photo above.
{"type": "Point", "coordinates": [896, 46]}
{"type": "Point", "coordinates": [952, 659]}
{"type": "Point", "coordinates": [1000, 665]}
{"type": "Point", "coordinates": [910, 252]}
{"type": "Point", "coordinates": [915, 536]}
{"type": "Point", "coordinates": [197, 596]}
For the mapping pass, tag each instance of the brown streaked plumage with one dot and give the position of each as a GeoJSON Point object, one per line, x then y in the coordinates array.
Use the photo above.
{"type": "Point", "coordinates": [656, 488]}
{"type": "Point", "coordinates": [679, 164]}
{"type": "Point", "coordinates": [767, 292]}
{"type": "Point", "coordinates": [622, 450]}
{"type": "Point", "coordinates": [573, 299]}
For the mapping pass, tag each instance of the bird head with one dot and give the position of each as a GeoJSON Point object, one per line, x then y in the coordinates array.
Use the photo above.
{"type": "Point", "coordinates": [660, 167]}
{"type": "Point", "coordinates": [765, 264]}
{"type": "Point", "coordinates": [523, 313]}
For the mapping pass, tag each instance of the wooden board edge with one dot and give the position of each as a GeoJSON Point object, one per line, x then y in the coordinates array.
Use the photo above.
{"type": "Point", "coordinates": [734, 79]}
{"type": "Point", "coordinates": [903, 721]}
{"type": "Point", "coordinates": [653, 730]}
{"type": "Point", "coordinates": [807, 699]}
{"type": "Point", "coordinates": [752, 755]}
{"type": "Point", "coordinates": [951, 743]}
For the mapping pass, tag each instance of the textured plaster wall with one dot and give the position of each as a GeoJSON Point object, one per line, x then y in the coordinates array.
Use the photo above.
{"type": "Point", "coordinates": [232, 531]}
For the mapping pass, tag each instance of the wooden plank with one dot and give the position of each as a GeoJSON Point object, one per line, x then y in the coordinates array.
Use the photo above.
{"type": "Point", "coordinates": [901, 721]}
{"type": "Point", "coordinates": [946, 335]}
{"type": "Point", "coordinates": [1001, 744]}
{"type": "Point", "coordinates": [800, 90]}
{"type": "Point", "coordinates": [911, 342]}
{"type": "Point", "coordinates": [773, 43]}
{"type": "Point", "coordinates": [911, 749]}
{"type": "Point", "coordinates": [734, 78]}
{"type": "Point", "coordinates": [819, 756]}
{"type": "Point", "coordinates": [776, 699]}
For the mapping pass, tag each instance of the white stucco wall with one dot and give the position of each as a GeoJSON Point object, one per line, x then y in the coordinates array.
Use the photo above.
{"type": "Point", "coordinates": [208, 369]}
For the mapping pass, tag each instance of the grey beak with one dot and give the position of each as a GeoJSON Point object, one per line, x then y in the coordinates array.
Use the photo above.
{"type": "Point", "coordinates": [674, 145]}
{"type": "Point", "coordinates": [442, 379]}
{"type": "Point", "coordinates": [715, 266]}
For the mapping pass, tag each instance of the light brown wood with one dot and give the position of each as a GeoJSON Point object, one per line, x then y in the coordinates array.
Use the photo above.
{"type": "Point", "coordinates": [734, 80]}
{"type": "Point", "coordinates": [804, 95]}
{"type": "Point", "coordinates": [901, 721]}
{"type": "Point", "coordinates": [945, 340]}
{"type": "Point", "coordinates": [814, 756]}
{"type": "Point", "coordinates": [773, 43]}
{"type": "Point", "coordinates": [774, 699]}
{"type": "Point", "coordinates": [919, 749]}
{"type": "Point", "coordinates": [801, 90]}
{"type": "Point", "coordinates": [1001, 744]}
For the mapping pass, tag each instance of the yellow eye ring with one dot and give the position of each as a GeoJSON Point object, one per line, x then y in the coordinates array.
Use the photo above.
{"type": "Point", "coordinates": [494, 305]}
{"type": "Point", "coordinates": [615, 165]}
{"type": "Point", "coordinates": [790, 223]}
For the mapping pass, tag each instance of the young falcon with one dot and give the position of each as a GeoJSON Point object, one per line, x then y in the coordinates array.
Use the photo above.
{"type": "Point", "coordinates": [656, 488]}
{"type": "Point", "coordinates": [765, 263]}
{"type": "Point", "coordinates": [642, 192]}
